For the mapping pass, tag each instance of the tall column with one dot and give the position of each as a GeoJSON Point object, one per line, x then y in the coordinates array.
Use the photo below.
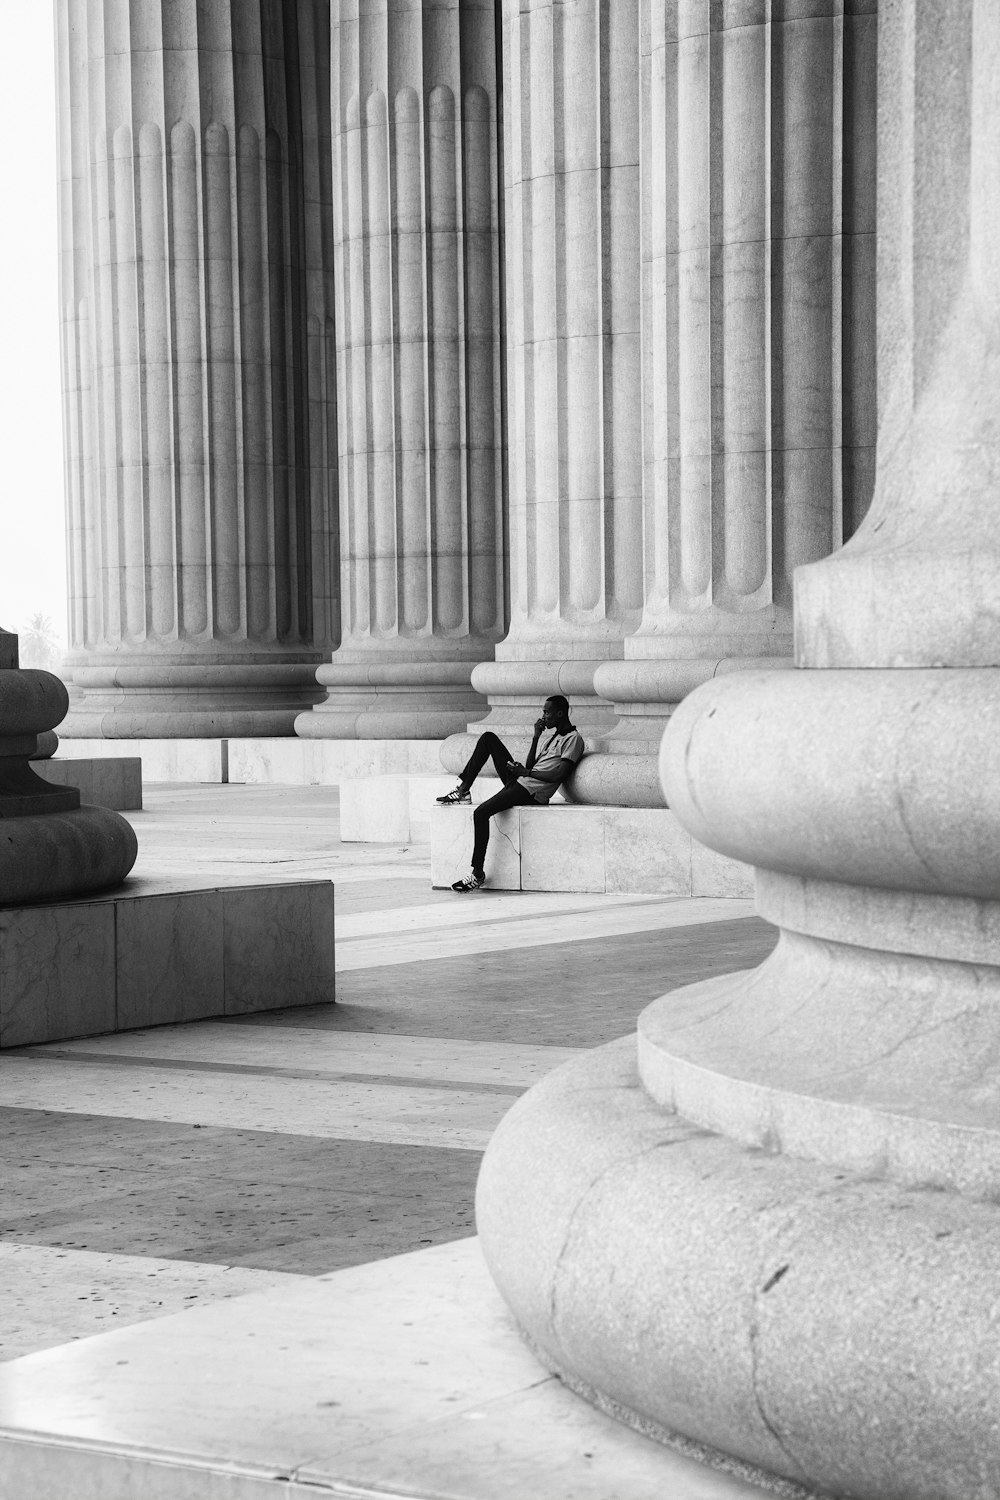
{"type": "Point", "coordinates": [198, 362]}
{"type": "Point", "coordinates": [758, 308]}
{"type": "Point", "coordinates": [571, 157]}
{"type": "Point", "coordinates": [415, 119]}
{"type": "Point", "coordinates": [807, 1278]}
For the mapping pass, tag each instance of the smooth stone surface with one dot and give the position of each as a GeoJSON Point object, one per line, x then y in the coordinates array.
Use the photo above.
{"type": "Point", "coordinates": [57, 971]}
{"type": "Point", "coordinates": [143, 956]}
{"type": "Point", "coordinates": [401, 1378]}
{"type": "Point", "coordinates": [565, 855]}
{"type": "Point", "coordinates": [872, 778]}
{"type": "Point", "coordinates": [162, 759]}
{"type": "Point", "coordinates": [835, 1329]}
{"type": "Point", "coordinates": [278, 946]}
{"type": "Point", "coordinates": [452, 836]}
{"type": "Point", "coordinates": [564, 847]}
{"type": "Point", "coordinates": [169, 958]}
{"type": "Point", "coordinates": [114, 782]}
{"type": "Point", "coordinates": [283, 761]}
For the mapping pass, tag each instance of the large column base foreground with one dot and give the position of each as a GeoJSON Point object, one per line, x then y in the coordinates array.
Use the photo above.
{"type": "Point", "coordinates": [832, 1328]}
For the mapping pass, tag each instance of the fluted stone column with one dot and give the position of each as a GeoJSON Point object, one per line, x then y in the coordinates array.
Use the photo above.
{"type": "Point", "coordinates": [198, 358]}
{"type": "Point", "coordinates": [758, 267]}
{"type": "Point", "coordinates": [806, 1279]}
{"type": "Point", "coordinates": [571, 156]}
{"type": "Point", "coordinates": [415, 119]}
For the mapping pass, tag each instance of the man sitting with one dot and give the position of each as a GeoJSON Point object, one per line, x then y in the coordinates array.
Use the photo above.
{"type": "Point", "coordinates": [546, 767]}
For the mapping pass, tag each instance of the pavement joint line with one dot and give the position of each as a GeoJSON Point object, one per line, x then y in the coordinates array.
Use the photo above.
{"type": "Point", "coordinates": [178, 1064]}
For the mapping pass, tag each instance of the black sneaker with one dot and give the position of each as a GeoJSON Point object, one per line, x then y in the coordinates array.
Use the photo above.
{"type": "Point", "coordinates": [460, 794]}
{"type": "Point", "coordinates": [472, 882]}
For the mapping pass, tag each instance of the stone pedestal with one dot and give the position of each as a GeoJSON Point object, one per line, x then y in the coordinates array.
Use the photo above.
{"type": "Point", "coordinates": [415, 166]}
{"type": "Point", "coordinates": [198, 363]}
{"type": "Point", "coordinates": [51, 846]}
{"type": "Point", "coordinates": [806, 1278]}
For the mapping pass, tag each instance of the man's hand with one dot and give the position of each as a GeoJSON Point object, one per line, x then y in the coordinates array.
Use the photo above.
{"type": "Point", "coordinates": [516, 767]}
{"type": "Point", "coordinates": [539, 726]}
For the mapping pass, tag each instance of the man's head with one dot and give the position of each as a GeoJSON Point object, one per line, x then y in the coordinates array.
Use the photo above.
{"type": "Point", "coordinates": [555, 711]}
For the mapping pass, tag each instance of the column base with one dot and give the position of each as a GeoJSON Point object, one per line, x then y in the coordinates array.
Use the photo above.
{"type": "Point", "coordinates": [182, 700]}
{"type": "Point", "coordinates": [831, 1329]}
{"type": "Point", "coordinates": [407, 700]}
{"type": "Point", "coordinates": [51, 856]}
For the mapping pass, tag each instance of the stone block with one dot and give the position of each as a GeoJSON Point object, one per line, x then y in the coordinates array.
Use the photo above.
{"type": "Point", "coordinates": [715, 874]}
{"type": "Point", "coordinates": [169, 958]}
{"type": "Point", "coordinates": [278, 946]}
{"type": "Point", "coordinates": [300, 762]}
{"type": "Point", "coordinates": [162, 759]}
{"type": "Point", "coordinates": [562, 848]}
{"type": "Point", "coordinates": [57, 971]}
{"type": "Point", "coordinates": [451, 847]}
{"type": "Point", "coordinates": [376, 809]}
{"type": "Point", "coordinates": [109, 781]}
{"type": "Point", "coordinates": [646, 850]}
{"type": "Point", "coordinates": [571, 847]}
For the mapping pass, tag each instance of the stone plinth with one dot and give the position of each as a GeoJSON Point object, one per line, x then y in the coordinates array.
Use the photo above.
{"type": "Point", "coordinates": [52, 847]}
{"type": "Point", "coordinates": [114, 782]}
{"type": "Point", "coordinates": [284, 761]}
{"type": "Point", "coordinates": [619, 850]}
{"type": "Point", "coordinates": [198, 364]}
{"type": "Point", "coordinates": [154, 953]}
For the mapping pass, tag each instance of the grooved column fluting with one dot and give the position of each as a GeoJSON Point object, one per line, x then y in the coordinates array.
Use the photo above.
{"type": "Point", "coordinates": [198, 354]}
{"type": "Point", "coordinates": [571, 158]}
{"type": "Point", "coordinates": [758, 267]}
{"type": "Point", "coordinates": [415, 118]}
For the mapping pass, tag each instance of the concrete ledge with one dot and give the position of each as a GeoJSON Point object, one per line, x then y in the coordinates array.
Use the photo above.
{"type": "Point", "coordinates": [397, 809]}
{"type": "Point", "coordinates": [114, 782]}
{"type": "Point", "coordinates": [402, 1378]}
{"type": "Point", "coordinates": [620, 850]}
{"type": "Point", "coordinates": [145, 955]}
{"type": "Point", "coordinates": [279, 760]}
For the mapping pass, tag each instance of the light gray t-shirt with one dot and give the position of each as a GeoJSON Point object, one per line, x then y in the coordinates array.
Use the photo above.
{"type": "Point", "coordinates": [557, 747]}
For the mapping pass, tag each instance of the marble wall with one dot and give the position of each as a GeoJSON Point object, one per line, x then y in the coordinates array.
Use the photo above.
{"type": "Point", "coordinates": [195, 227]}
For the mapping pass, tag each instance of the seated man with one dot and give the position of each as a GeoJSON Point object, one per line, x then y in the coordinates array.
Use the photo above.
{"type": "Point", "coordinates": [535, 781]}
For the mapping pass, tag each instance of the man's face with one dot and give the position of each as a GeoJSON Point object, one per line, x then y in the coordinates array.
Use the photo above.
{"type": "Point", "coordinates": [550, 714]}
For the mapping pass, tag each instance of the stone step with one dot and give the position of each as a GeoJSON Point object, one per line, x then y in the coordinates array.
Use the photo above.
{"type": "Point", "coordinates": [566, 847]}
{"type": "Point", "coordinates": [403, 1378]}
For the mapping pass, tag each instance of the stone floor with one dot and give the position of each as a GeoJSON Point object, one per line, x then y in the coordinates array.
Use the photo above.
{"type": "Point", "coordinates": [151, 1172]}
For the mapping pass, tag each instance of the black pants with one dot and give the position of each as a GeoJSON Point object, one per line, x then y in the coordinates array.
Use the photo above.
{"type": "Point", "coordinates": [513, 795]}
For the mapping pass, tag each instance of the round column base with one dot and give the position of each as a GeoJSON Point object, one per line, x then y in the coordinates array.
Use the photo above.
{"type": "Point", "coordinates": [832, 1330]}
{"type": "Point", "coordinates": [164, 700]}
{"type": "Point", "coordinates": [52, 856]}
{"type": "Point", "coordinates": [385, 700]}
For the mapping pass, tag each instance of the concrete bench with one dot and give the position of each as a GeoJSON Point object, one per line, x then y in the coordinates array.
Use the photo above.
{"type": "Point", "coordinates": [566, 847]}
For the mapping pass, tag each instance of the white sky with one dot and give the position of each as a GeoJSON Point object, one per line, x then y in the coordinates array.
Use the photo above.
{"type": "Point", "coordinates": [32, 545]}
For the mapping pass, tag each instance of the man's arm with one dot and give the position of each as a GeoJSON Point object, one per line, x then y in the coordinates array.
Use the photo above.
{"type": "Point", "coordinates": [539, 726]}
{"type": "Point", "coordinates": [556, 773]}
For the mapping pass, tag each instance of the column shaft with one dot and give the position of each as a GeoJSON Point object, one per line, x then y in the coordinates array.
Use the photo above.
{"type": "Point", "coordinates": [198, 362]}
{"type": "Point", "coordinates": [415, 112]}
{"type": "Point", "coordinates": [758, 266]}
{"type": "Point", "coordinates": [571, 154]}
